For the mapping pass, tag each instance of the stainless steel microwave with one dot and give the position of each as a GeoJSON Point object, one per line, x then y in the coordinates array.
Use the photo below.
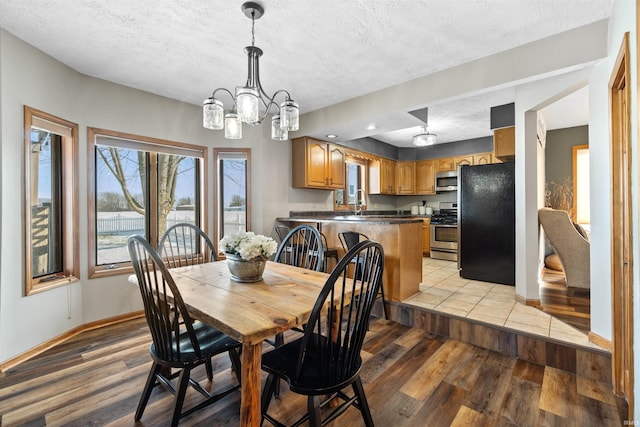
{"type": "Point", "coordinates": [447, 181]}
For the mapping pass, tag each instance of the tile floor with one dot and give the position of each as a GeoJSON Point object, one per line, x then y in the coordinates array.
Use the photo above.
{"type": "Point", "coordinates": [443, 290]}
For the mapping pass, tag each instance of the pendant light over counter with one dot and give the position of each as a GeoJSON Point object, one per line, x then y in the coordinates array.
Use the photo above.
{"type": "Point", "coordinates": [425, 138]}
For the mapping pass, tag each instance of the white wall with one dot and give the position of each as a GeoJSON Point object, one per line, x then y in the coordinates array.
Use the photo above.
{"type": "Point", "coordinates": [28, 77]}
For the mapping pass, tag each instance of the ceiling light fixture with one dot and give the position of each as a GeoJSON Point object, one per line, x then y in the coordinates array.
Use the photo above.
{"type": "Point", "coordinates": [251, 104]}
{"type": "Point", "coordinates": [425, 138]}
{"type": "Point", "coordinates": [331, 135]}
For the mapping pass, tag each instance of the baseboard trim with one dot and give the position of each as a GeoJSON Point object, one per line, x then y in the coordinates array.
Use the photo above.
{"type": "Point", "coordinates": [65, 336]}
{"type": "Point", "coordinates": [601, 341]}
{"type": "Point", "coordinates": [530, 302]}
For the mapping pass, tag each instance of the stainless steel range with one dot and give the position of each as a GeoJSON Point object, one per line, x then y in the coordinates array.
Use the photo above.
{"type": "Point", "coordinates": [444, 232]}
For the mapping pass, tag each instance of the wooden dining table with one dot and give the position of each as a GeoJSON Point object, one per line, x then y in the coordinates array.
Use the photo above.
{"type": "Point", "coordinates": [249, 312]}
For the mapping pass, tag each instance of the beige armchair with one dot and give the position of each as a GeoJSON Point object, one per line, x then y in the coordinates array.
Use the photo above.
{"type": "Point", "coordinates": [571, 246]}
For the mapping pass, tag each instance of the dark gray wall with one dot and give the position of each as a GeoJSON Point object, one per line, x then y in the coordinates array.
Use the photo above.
{"type": "Point", "coordinates": [373, 146]}
{"type": "Point", "coordinates": [449, 149]}
{"type": "Point", "coordinates": [503, 116]}
{"type": "Point", "coordinates": [557, 153]}
{"type": "Point", "coordinates": [458, 148]}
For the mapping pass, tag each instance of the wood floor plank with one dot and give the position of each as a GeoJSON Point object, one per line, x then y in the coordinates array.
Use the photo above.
{"type": "Point", "coordinates": [488, 391]}
{"type": "Point", "coordinates": [595, 390]}
{"type": "Point", "coordinates": [529, 371]}
{"type": "Point", "coordinates": [428, 377]}
{"type": "Point", "coordinates": [443, 405]}
{"type": "Point", "coordinates": [465, 371]}
{"type": "Point", "coordinates": [559, 393]}
{"type": "Point", "coordinates": [519, 406]}
{"type": "Point", "coordinates": [467, 417]}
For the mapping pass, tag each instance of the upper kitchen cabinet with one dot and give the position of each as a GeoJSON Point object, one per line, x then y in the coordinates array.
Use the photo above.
{"type": "Point", "coordinates": [504, 143]}
{"type": "Point", "coordinates": [462, 160]}
{"type": "Point", "coordinates": [405, 177]}
{"type": "Point", "coordinates": [382, 176]}
{"type": "Point", "coordinates": [317, 164]}
{"type": "Point", "coordinates": [444, 164]}
{"type": "Point", "coordinates": [483, 159]}
{"type": "Point", "coordinates": [425, 177]}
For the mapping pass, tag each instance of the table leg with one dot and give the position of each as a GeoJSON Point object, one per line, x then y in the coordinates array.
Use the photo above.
{"type": "Point", "coordinates": [250, 390]}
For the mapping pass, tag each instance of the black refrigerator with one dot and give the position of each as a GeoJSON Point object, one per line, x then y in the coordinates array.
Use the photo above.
{"type": "Point", "coordinates": [486, 223]}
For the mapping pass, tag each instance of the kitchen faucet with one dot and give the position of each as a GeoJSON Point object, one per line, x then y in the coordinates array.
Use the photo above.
{"type": "Point", "coordinates": [356, 206]}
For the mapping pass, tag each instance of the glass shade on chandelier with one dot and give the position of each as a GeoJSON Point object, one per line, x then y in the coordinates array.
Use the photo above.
{"type": "Point", "coordinates": [425, 138]}
{"type": "Point", "coordinates": [278, 133]}
{"type": "Point", "coordinates": [213, 114]}
{"type": "Point", "coordinates": [248, 105]}
{"type": "Point", "coordinates": [232, 126]}
{"type": "Point", "coordinates": [251, 104]}
{"type": "Point", "coordinates": [289, 115]}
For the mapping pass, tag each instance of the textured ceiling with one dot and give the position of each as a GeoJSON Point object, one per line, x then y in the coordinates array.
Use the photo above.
{"type": "Point", "coordinates": [322, 52]}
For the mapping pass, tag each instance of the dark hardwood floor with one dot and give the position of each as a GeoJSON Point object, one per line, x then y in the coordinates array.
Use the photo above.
{"type": "Point", "coordinates": [411, 379]}
{"type": "Point", "coordinates": [571, 305]}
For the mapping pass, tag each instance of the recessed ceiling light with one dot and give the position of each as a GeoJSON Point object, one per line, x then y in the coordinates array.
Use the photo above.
{"type": "Point", "coordinates": [372, 126]}
{"type": "Point", "coordinates": [332, 136]}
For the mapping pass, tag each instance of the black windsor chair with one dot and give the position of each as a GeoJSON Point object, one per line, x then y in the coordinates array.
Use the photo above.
{"type": "Point", "coordinates": [185, 244]}
{"type": "Point", "coordinates": [179, 342]}
{"type": "Point", "coordinates": [326, 359]}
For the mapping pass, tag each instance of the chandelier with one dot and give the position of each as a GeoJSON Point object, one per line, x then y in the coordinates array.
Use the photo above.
{"type": "Point", "coordinates": [425, 138]}
{"type": "Point", "coordinates": [251, 104]}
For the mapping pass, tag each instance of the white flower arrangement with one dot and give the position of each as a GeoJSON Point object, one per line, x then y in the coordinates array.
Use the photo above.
{"type": "Point", "coordinates": [248, 245]}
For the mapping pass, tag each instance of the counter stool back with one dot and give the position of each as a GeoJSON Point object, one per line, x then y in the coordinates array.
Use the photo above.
{"type": "Point", "coordinates": [348, 239]}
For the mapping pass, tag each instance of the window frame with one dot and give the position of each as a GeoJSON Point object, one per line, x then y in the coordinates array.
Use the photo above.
{"type": "Point", "coordinates": [153, 147]}
{"type": "Point", "coordinates": [217, 217]}
{"type": "Point", "coordinates": [69, 201]}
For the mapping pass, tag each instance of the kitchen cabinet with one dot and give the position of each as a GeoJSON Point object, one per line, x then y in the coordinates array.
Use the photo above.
{"type": "Point", "coordinates": [426, 237]}
{"type": "Point", "coordinates": [444, 164]}
{"type": "Point", "coordinates": [382, 176]}
{"type": "Point", "coordinates": [462, 160]}
{"type": "Point", "coordinates": [317, 164]}
{"type": "Point", "coordinates": [504, 143]}
{"type": "Point", "coordinates": [405, 177]}
{"type": "Point", "coordinates": [482, 158]}
{"type": "Point", "coordinates": [425, 177]}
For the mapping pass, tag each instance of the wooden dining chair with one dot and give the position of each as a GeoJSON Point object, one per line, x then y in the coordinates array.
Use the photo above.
{"type": "Point", "coordinates": [326, 359]}
{"type": "Point", "coordinates": [302, 247]}
{"type": "Point", "coordinates": [349, 239]}
{"type": "Point", "coordinates": [185, 244]}
{"type": "Point", "coordinates": [281, 232]}
{"type": "Point", "coordinates": [178, 342]}
{"type": "Point", "coordinates": [327, 252]}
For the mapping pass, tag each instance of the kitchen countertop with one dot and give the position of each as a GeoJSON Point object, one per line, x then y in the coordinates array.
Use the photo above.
{"type": "Point", "coordinates": [380, 219]}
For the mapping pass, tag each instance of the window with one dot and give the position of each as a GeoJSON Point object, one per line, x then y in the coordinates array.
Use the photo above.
{"type": "Point", "coordinates": [355, 173]}
{"type": "Point", "coordinates": [139, 185]}
{"type": "Point", "coordinates": [51, 243]}
{"type": "Point", "coordinates": [232, 214]}
{"type": "Point", "coordinates": [580, 154]}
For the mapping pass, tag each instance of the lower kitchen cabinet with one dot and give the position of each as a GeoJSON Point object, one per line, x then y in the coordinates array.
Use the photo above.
{"type": "Point", "coordinates": [426, 237]}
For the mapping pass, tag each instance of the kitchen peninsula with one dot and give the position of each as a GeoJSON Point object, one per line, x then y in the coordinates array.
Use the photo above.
{"type": "Point", "coordinates": [400, 237]}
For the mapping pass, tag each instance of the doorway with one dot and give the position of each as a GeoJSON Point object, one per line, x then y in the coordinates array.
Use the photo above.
{"type": "Point", "coordinates": [621, 232]}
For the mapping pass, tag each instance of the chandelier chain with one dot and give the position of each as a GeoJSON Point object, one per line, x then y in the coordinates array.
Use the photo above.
{"type": "Point", "coordinates": [253, 29]}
